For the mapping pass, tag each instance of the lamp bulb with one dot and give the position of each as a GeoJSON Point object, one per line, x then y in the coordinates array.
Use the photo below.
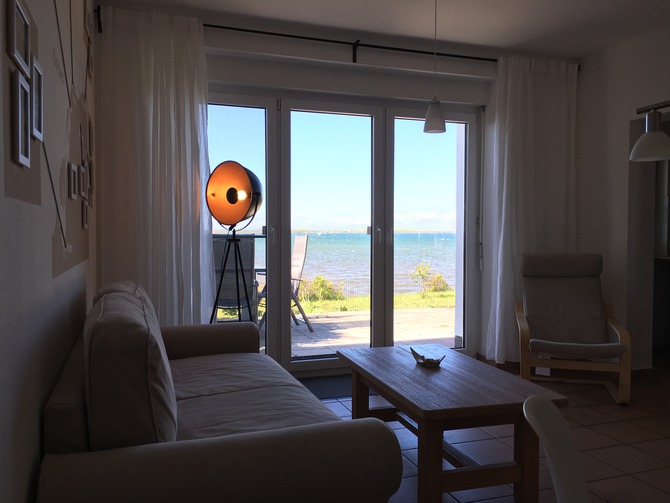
{"type": "Point", "coordinates": [231, 195]}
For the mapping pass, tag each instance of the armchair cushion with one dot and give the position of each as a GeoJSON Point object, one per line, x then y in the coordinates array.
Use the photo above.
{"type": "Point", "coordinates": [562, 298]}
{"type": "Point", "coordinates": [576, 351]}
{"type": "Point", "coordinates": [128, 384]}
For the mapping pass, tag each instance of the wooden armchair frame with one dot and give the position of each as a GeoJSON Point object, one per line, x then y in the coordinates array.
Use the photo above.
{"type": "Point", "coordinates": [529, 361]}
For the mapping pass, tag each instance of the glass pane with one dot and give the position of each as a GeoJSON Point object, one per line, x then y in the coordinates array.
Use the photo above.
{"type": "Point", "coordinates": [428, 209]}
{"type": "Point", "coordinates": [331, 162]}
{"type": "Point", "coordinates": [239, 134]}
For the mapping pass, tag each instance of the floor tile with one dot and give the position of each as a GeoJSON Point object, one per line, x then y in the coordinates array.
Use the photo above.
{"type": "Point", "coordinates": [658, 448]}
{"type": "Point", "coordinates": [658, 424]}
{"type": "Point", "coordinates": [594, 469]}
{"type": "Point", "coordinates": [483, 494]}
{"type": "Point", "coordinates": [660, 479]}
{"type": "Point", "coordinates": [627, 489]}
{"type": "Point", "coordinates": [487, 451]}
{"type": "Point", "coordinates": [465, 435]}
{"type": "Point", "coordinates": [628, 459]}
{"type": "Point", "coordinates": [587, 438]}
{"type": "Point", "coordinates": [337, 408]}
{"type": "Point", "coordinates": [623, 412]}
{"type": "Point", "coordinates": [625, 432]}
{"type": "Point", "coordinates": [586, 416]}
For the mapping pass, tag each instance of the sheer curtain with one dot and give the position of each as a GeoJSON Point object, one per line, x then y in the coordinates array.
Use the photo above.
{"type": "Point", "coordinates": [151, 115]}
{"type": "Point", "coordinates": [531, 181]}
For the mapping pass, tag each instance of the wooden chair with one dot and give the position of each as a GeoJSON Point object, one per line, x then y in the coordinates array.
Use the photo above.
{"type": "Point", "coordinates": [565, 324]}
{"type": "Point", "coordinates": [565, 464]}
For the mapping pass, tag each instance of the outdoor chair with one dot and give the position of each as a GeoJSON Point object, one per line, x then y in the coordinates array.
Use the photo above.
{"type": "Point", "coordinates": [297, 265]}
{"type": "Point", "coordinates": [565, 324]}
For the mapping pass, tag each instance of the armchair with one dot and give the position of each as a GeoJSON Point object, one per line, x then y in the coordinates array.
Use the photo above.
{"type": "Point", "coordinates": [565, 324]}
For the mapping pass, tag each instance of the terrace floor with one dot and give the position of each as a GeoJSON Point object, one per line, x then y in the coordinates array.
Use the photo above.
{"type": "Point", "coordinates": [348, 329]}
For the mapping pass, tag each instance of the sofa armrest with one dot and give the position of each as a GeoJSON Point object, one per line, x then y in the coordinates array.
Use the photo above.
{"type": "Point", "coordinates": [185, 341]}
{"type": "Point", "coordinates": [353, 461]}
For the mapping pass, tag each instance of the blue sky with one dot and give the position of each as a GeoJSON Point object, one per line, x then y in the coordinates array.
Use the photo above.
{"type": "Point", "coordinates": [332, 153]}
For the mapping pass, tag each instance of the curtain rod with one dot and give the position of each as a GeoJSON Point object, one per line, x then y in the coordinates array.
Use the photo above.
{"type": "Point", "coordinates": [354, 45]}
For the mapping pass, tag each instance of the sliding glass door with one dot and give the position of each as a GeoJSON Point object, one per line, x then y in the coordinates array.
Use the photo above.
{"type": "Point", "coordinates": [428, 200]}
{"type": "Point", "coordinates": [331, 173]}
{"type": "Point", "coordinates": [365, 226]}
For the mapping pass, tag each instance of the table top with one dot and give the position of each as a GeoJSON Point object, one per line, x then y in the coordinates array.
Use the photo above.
{"type": "Point", "coordinates": [461, 386]}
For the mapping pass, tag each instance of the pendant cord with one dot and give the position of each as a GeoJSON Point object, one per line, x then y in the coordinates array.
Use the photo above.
{"type": "Point", "coordinates": [435, 50]}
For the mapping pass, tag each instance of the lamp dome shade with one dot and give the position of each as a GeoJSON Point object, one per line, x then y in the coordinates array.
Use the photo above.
{"type": "Point", "coordinates": [652, 146]}
{"type": "Point", "coordinates": [233, 193]}
{"type": "Point", "coordinates": [434, 122]}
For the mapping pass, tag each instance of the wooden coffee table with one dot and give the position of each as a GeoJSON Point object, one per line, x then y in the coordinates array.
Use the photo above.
{"type": "Point", "coordinates": [461, 393]}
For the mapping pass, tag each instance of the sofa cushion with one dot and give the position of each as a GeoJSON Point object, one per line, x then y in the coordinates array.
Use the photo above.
{"type": "Point", "coordinates": [129, 391]}
{"type": "Point", "coordinates": [240, 393]}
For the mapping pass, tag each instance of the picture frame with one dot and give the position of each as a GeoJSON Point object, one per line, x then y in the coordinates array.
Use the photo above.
{"type": "Point", "coordinates": [19, 36]}
{"type": "Point", "coordinates": [37, 90]}
{"type": "Point", "coordinates": [83, 184]}
{"type": "Point", "coordinates": [72, 181]}
{"type": "Point", "coordinates": [21, 126]}
{"type": "Point", "coordinates": [84, 215]}
{"type": "Point", "coordinates": [88, 167]}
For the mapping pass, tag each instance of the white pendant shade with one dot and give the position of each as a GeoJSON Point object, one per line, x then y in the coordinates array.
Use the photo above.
{"type": "Point", "coordinates": [652, 146]}
{"type": "Point", "coordinates": [434, 118]}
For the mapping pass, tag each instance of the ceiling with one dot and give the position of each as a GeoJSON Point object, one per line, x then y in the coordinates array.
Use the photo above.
{"type": "Point", "coordinates": [566, 28]}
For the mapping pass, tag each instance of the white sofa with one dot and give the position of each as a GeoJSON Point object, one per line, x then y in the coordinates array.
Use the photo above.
{"type": "Point", "coordinates": [195, 413]}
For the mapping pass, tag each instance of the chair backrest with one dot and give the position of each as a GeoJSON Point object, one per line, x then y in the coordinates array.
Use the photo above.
{"type": "Point", "coordinates": [562, 297]}
{"type": "Point", "coordinates": [563, 457]}
{"type": "Point", "coordinates": [298, 260]}
{"type": "Point", "coordinates": [228, 294]}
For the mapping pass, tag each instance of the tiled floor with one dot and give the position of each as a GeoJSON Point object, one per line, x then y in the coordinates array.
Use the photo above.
{"type": "Point", "coordinates": [625, 450]}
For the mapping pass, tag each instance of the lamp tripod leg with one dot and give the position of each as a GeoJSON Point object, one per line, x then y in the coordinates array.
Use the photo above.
{"type": "Point", "coordinates": [218, 290]}
{"type": "Point", "coordinates": [239, 266]}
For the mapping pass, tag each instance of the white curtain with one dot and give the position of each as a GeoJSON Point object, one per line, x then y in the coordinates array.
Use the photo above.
{"type": "Point", "coordinates": [532, 184]}
{"type": "Point", "coordinates": [151, 112]}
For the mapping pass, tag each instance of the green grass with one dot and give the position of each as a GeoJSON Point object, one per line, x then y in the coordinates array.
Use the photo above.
{"type": "Point", "coordinates": [362, 303]}
{"type": "Point", "coordinates": [400, 301]}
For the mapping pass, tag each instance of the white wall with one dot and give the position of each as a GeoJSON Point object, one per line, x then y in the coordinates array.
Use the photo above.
{"type": "Point", "coordinates": [612, 84]}
{"type": "Point", "coordinates": [43, 287]}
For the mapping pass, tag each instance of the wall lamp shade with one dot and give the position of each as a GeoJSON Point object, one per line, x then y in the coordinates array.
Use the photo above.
{"type": "Point", "coordinates": [434, 122]}
{"type": "Point", "coordinates": [654, 144]}
{"type": "Point", "coordinates": [233, 193]}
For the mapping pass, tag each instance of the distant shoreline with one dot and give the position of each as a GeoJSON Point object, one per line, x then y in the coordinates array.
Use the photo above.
{"type": "Point", "coordinates": [339, 231]}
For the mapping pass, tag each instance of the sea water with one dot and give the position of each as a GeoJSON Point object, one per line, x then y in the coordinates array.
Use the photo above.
{"type": "Point", "coordinates": [344, 258]}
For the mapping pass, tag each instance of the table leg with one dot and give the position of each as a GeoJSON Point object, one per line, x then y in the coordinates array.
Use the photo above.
{"type": "Point", "coordinates": [430, 462]}
{"type": "Point", "coordinates": [526, 455]}
{"type": "Point", "coordinates": [360, 397]}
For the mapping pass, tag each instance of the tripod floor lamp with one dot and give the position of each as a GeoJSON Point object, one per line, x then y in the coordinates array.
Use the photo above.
{"type": "Point", "coordinates": [233, 195]}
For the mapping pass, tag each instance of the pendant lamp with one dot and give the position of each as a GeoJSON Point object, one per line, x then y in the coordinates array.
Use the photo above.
{"type": "Point", "coordinates": [654, 144]}
{"type": "Point", "coordinates": [434, 122]}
